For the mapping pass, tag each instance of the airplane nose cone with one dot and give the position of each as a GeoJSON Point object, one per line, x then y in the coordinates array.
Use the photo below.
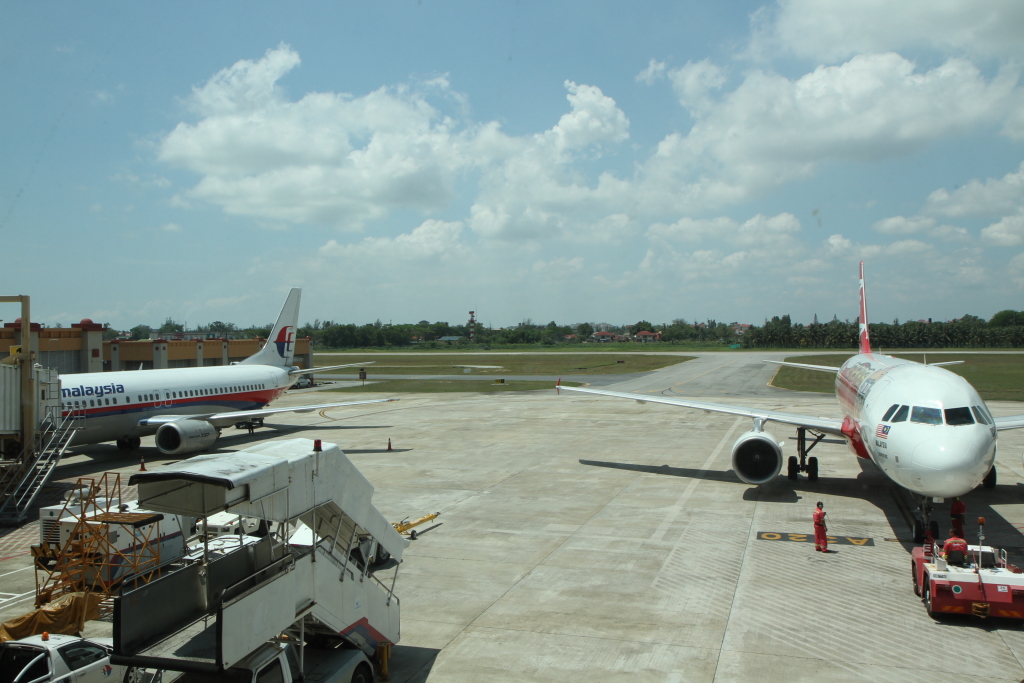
{"type": "Point", "coordinates": [949, 466]}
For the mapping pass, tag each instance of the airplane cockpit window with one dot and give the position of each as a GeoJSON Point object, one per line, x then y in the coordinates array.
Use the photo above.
{"type": "Point", "coordinates": [959, 416]}
{"type": "Point", "coordinates": [980, 414]}
{"type": "Point", "coordinates": [901, 414]}
{"type": "Point", "coordinates": [888, 413]}
{"type": "Point", "coordinates": [928, 416]}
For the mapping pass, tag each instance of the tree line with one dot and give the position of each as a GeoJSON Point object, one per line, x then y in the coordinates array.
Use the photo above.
{"type": "Point", "coordinates": [1004, 330]}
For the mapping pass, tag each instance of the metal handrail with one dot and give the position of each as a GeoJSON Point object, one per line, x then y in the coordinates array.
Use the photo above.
{"type": "Point", "coordinates": [337, 562]}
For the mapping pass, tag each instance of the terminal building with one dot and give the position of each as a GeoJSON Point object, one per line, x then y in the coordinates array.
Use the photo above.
{"type": "Point", "coordinates": [80, 348]}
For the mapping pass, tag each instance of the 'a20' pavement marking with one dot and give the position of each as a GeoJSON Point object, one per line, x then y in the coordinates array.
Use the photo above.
{"type": "Point", "coordinates": [809, 538]}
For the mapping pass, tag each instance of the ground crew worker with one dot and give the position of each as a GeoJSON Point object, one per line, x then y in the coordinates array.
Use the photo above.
{"type": "Point", "coordinates": [820, 530]}
{"type": "Point", "coordinates": [954, 542]}
{"type": "Point", "coordinates": [956, 515]}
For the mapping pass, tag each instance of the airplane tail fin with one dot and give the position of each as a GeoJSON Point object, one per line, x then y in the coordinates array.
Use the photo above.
{"type": "Point", "coordinates": [280, 347]}
{"type": "Point", "coordinates": [865, 340]}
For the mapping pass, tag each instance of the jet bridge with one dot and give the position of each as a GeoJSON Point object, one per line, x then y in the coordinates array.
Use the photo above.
{"type": "Point", "coordinates": [241, 591]}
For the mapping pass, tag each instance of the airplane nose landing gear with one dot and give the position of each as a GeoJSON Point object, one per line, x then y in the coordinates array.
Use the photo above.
{"type": "Point", "coordinates": [923, 523]}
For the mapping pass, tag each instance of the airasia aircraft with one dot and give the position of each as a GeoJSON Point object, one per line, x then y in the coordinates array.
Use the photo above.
{"type": "Point", "coordinates": [926, 428]}
{"type": "Point", "coordinates": [187, 407]}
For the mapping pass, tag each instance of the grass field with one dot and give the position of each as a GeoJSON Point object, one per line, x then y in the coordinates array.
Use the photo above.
{"type": "Point", "coordinates": [445, 386]}
{"type": "Point", "coordinates": [502, 364]}
{"type": "Point", "coordinates": [996, 376]}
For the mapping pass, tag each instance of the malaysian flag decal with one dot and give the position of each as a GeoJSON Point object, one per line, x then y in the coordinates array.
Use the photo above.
{"type": "Point", "coordinates": [883, 431]}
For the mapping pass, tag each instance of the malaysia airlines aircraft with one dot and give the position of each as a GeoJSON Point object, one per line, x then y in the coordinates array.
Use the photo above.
{"type": "Point", "coordinates": [926, 428]}
{"type": "Point", "coordinates": [187, 407]}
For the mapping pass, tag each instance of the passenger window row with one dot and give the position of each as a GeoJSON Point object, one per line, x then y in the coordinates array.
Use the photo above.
{"type": "Point", "coordinates": [174, 394]}
{"type": "Point", "coordinates": [934, 416]}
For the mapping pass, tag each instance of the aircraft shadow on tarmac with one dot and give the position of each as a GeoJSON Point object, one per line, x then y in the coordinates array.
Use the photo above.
{"type": "Point", "coordinates": [412, 664]}
{"type": "Point", "coordinates": [873, 486]}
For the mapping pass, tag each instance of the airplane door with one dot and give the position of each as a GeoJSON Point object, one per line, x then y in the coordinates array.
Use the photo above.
{"type": "Point", "coordinates": [167, 400]}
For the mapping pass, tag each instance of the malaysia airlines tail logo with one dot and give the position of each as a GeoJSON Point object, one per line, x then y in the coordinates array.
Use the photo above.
{"type": "Point", "coordinates": [284, 341]}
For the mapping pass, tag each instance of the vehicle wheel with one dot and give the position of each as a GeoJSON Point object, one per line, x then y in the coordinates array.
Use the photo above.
{"type": "Point", "coordinates": [123, 444]}
{"type": "Point", "coordinates": [134, 442]}
{"type": "Point", "coordinates": [990, 479]}
{"type": "Point", "coordinates": [928, 596]}
{"type": "Point", "coordinates": [140, 674]}
{"type": "Point", "coordinates": [362, 674]}
{"type": "Point", "coordinates": [913, 576]}
{"type": "Point", "coordinates": [918, 531]}
{"type": "Point", "coordinates": [413, 535]}
{"type": "Point", "coordinates": [933, 527]}
{"type": "Point", "coordinates": [812, 468]}
{"type": "Point", "coordinates": [793, 468]}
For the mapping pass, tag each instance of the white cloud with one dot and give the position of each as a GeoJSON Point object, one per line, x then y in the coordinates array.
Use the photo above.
{"type": "Point", "coordinates": [832, 31]}
{"type": "Point", "coordinates": [900, 225]}
{"type": "Point", "coordinates": [1008, 232]}
{"type": "Point", "coordinates": [171, 227]}
{"type": "Point", "coordinates": [594, 120]}
{"type": "Point", "coordinates": [559, 266]}
{"type": "Point", "coordinates": [430, 240]}
{"type": "Point", "coordinates": [770, 129]}
{"type": "Point", "coordinates": [695, 83]}
{"type": "Point", "coordinates": [994, 197]}
{"type": "Point", "coordinates": [655, 71]}
{"type": "Point", "coordinates": [325, 158]}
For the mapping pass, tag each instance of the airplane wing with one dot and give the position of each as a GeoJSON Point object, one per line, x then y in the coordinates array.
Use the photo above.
{"type": "Point", "coordinates": [1007, 422]}
{"type": "Point", "coordinates": [303, 371]}
{"type": "Point", "coordinates": [230, 418]}
{"type": "Point", "coordinates": [948, 362]}
{"type": "Point", "coordinates": [805, 366]}
{"type": "Point", "coordinates": [829, 425]}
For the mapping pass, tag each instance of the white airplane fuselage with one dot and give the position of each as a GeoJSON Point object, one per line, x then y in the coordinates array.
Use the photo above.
{"type": "Point", "coordinates": [941, 445]}
{"type": "Point", "coordinates": [109, 405]}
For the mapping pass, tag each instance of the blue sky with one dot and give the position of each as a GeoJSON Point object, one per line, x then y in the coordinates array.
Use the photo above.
{"type": "Point", "coordinates": [568, 161]}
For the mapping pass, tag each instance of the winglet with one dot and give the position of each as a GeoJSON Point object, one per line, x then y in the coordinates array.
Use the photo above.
{"type": "Point", "coordinates": [865, 340]}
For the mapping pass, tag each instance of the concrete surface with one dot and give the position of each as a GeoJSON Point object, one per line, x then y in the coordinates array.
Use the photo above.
{"type": "Point", "coordinates": [586, 538]}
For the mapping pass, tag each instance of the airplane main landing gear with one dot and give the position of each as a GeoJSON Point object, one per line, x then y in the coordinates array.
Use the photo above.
{"type": "Point", "coordinates": [804, 464]}
{"type": "Point", "coordinates": [128, 443]}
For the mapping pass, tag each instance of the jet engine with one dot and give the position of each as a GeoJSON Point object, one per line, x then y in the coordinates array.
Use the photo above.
{"type": "Point", "coordinates": [185, 436]}
{"type": "Point", "coordinates": [756, 457]}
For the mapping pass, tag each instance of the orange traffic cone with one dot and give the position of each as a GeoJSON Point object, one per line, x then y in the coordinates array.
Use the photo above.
{"type": "Point", "coordinates": [389, 444]}
{"type": "Point", "coordinates": [142, 463]}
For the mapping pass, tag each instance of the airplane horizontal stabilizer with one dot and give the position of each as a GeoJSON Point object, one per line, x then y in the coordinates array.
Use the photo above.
{"type": "Point", "coordinates": [303, 371]}
{"type": "Point", "coordinates": [948, 362]}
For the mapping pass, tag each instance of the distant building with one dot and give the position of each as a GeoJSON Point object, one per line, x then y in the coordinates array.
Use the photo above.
{"type": "Point", "coordinates": [604, 336]}
{"type": "Point", "coordinates": [451, 340]}
{"type": "Point", "coordinates": [646, 336]}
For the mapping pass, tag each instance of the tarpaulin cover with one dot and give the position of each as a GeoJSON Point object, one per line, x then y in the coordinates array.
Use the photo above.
{"type": "Point", "coordinates": [67, 614]}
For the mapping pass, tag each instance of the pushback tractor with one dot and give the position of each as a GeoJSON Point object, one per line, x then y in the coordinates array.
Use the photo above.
{"type": "Point", "coordinates": [979, 582]}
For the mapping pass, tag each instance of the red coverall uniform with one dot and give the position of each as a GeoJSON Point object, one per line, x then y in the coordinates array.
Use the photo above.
{"type": "Point", "coordinates": [954, 543]}
{"type": "Point", "coordinates": [820, 530]}
{"type": "Point", "coordinates": [956, 516]}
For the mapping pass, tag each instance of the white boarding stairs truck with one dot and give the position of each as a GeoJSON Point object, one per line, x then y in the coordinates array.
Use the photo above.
{"type": "Point", "coordinates": [216, 611]}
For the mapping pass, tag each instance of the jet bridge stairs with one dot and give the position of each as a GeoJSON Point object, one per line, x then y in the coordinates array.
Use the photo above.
{"type": "Point", "coordinates": [239, 592]}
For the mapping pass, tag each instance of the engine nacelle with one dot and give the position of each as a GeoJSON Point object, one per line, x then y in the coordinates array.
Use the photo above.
{"type": "Point", "coordinates": [185, 436]}
{"type": "Point", "coordinates": [756, 457]}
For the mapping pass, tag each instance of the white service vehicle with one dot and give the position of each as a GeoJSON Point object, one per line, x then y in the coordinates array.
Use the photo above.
{"type": "Point", "coordinates": [46, 658]}
{"type": "Point", "coordinates": [278, 662]}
